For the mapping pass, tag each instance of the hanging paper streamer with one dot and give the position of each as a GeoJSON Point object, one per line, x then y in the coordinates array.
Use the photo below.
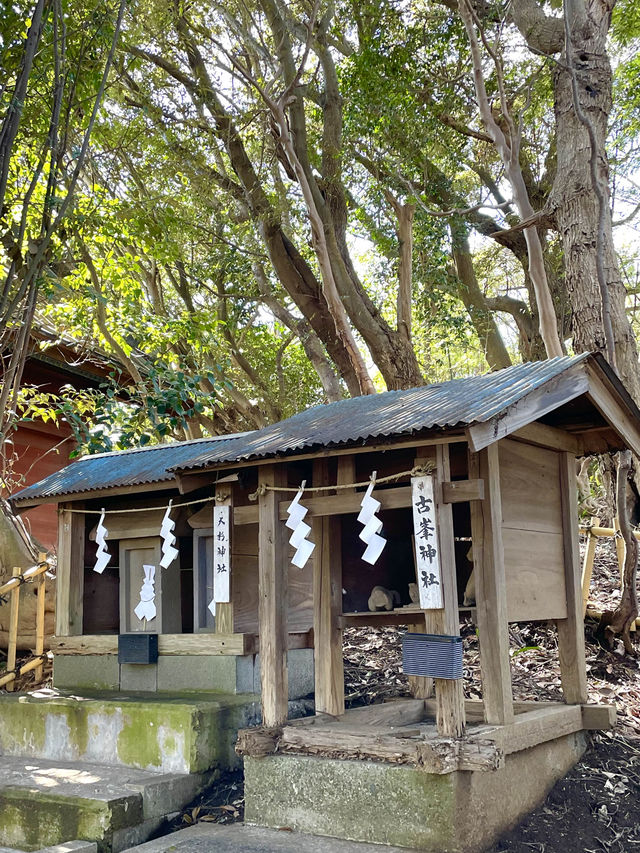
{"type": "Point", "coordinates": [221, 556]}
{"type": "Point", "coordinates": [146, 608]}
{"type": "Point", "coordinates": [169, 551]}
{"type": "Point", "coordinates": [304, 547]}
{"type": "Point", "coordinates": [102, 556]}
{"type": "Point", "coordinates": [372, 525]}
{"type": "Point", "coordinates": [425, 529]}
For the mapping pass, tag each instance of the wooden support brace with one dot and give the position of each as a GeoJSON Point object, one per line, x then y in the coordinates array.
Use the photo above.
{"type": "Point", "coordinates": [491, 600]}
{"type": "Point", "coordinates": [272, 600]}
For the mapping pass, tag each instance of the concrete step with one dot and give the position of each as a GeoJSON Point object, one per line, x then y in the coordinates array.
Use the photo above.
{"type": "Point", "coordinates": [168, 733]}
{"type": "Point", "coordinates": [44, 802]}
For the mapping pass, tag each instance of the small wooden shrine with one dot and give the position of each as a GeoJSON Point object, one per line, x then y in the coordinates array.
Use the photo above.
{"type": "Point", "coordinates": [410, 491]}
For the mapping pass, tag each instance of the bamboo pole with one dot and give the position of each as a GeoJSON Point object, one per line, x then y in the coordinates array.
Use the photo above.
{"type": "Point", "coordinates": [40, 608]}
{"type": "Point", "coordinates": [13, 627]}
{"type": "Point", "coordinates": [27, 667]}
{"type": "Point", "coordinates": [29, 575]}
{"type": "Point", "coordinates": [587, 564]}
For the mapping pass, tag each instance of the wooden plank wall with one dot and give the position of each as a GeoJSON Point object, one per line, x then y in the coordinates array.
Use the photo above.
{"type": "Point", "coordinates": [532, 531]}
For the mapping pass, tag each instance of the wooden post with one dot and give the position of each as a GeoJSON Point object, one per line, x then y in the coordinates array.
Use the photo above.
{"type": "Point", "coordinates": [573, 671]}
{"type": "Point", "coordinates": [327, 602]}
{"type": "Point", "coordinates": [70, 571]}
{"type": "Point", "coordinates": [449, 697]}
{"type": "Point", "coordinates": [621, 554]}
{"type": "Point", "coordinates": [272, 599]}
{"type": "Point", "coordinates": [490, 582]}
{"type": "Point", "coordinates": [421, 686]}
{"type": "Point", "coordinates": [224, 610]}
{"type": "Point", "coordinates": [13, 627]}
{"type": "Point", "coordinates": [40, 607]}
{"type": "Point", "coordinates": [587, 565]}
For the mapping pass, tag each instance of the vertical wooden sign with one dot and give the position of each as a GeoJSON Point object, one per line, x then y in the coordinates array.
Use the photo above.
{"type": "Point", "coordinates": [221, 554]}
{"type": "Point", "coordinates": [427, 547]}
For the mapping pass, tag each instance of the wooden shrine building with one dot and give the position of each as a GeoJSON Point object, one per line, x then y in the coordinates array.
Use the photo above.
{"type": "Point", "coordinates": [500, 451]}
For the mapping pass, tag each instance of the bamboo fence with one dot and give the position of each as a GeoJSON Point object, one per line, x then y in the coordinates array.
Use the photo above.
{"type": "Point", "coordinates": [593, 532]}
{"type": "Point", "coordinates": [34, 574]}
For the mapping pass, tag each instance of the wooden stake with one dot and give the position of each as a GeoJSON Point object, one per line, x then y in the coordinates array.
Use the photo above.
{"type": "Point", "coordinates": [272, 600]}
{"type": "Point", "coordinates": [13, 627]}
{"type": "Point", "coordinates": [40, 607]}
{"type": "Point", "coordinates": [587, 565]}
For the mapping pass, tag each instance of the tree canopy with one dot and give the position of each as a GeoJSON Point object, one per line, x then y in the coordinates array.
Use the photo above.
{"type": "Point", "coordinates": [256, 206]}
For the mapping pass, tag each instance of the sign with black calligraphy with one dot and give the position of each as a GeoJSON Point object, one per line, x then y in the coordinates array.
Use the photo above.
{"type": "Point", "coordinates": [221, 556]}
{"type": "Point", "coordinates": [427, 547]}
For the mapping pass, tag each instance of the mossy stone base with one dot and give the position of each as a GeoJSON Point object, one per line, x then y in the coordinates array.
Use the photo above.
{"type": "Point", "coordinates": [168, 733]}
{"type": "Point", "coordinates": [401, 805]}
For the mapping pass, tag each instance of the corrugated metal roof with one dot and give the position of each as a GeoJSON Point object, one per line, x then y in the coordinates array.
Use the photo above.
{"type": "Point", "coordinates": [474, 399]}
{"type": "Point", "coordinates": [135, 467]}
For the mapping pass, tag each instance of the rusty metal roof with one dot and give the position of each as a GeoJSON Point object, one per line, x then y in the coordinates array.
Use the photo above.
{"type": "Point", "coordinates": [459, 402]}
{"type": "Point", "coordinates": [120, 469]}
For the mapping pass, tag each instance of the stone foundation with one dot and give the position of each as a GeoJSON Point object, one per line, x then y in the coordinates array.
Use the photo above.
{"type": "Point", "coordinates": [460, 812]}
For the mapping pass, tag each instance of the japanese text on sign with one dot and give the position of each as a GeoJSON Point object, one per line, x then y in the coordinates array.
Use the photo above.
{"type": "Point", "coordinates": [427, 548]}
{"type": "Point", "coordinates": [221, 553]}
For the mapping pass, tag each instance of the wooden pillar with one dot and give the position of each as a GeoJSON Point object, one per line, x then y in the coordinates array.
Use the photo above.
{"type": "Point", "coordinates": [70, 571]}
{"type": "Point", "coordinates": [491, 596]}
{"type": "Point", "coordinates": [573, 671]}
{"type": "Point", "coordinates": [421, 686]}
{"type": "Point", "coordinates": [327, 604]}
{"type": "Point", "coordinates": [272, 599]}
{"type": "Point", "coordinates": [450, 716]}
{"type": "Point", "coordinates": [224, 610]}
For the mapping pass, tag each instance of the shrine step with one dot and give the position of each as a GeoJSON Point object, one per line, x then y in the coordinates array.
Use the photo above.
{"type": "Point", "coordinates": [49, 802]}
{"type": "Point", "coordinates": [166, 733]}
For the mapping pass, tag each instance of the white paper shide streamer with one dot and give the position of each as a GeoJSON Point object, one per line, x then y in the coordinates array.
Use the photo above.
{"type": "Point", "coordinates": [372, 525]}
{"type": "Point", "coordinates": [425, 530]}
{"type": "Point", "coordinates": [102, 556]}
{"type": "Point", "coordinates": [304, 547]}
{"type": "Point", "coordinates": [221, 557]}
{"type": "Point", "coordinates": [146, 608]}
{"type": "Point", "coordinates": [169, 551]}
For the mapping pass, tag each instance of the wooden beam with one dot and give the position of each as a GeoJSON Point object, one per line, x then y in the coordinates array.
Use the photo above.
{"type": "Point", "coordinates": [612, 408]}
{"type": "Point", "coordinates": [327, 605]}
{"type": "Point", "coordinates": [272, 600]}
{"type": "Point", "coordinates": [598, 717]}
{"type": "Point", "coordinates": [490, 582]}
{"type": "Point", "coordinates": [551, 437]}
{"type": "Point", "coordinates": [573, 672]}
{"type": "Point", "coordinates": [553, 394]}
{"type": "Point", "coordinates": [167, 485]}
{"type": "Point", "coordinates": [224, 610]}
{"type": "Point", "coordinates": [168, 644]}
{"type": "Point", "coordinates": [532, 728]}
{"type": "Point", "coordinates": [460, 491]}
{"type": "Point", "coordinates": [70, 571]}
